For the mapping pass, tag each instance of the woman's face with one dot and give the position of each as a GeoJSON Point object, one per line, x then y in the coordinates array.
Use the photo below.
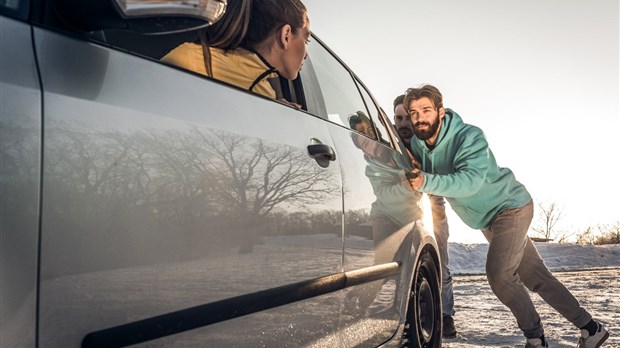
{"type": "Point", "coordinates": [295, 54]}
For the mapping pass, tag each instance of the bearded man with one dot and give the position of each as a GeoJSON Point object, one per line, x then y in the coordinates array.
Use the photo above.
{"type": "Point", "coordinates": [453, 160]}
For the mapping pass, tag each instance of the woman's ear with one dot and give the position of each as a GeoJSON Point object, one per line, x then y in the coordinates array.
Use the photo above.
{"type": "Point", "coordinates": [284, 35]}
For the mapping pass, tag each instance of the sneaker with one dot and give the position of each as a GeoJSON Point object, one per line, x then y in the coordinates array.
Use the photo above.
{"type": "Point", "coordinates": [536, 342]}
{"type": "Point", "coordinates": [449, 331]}
{"type": "Point", "coordinates": [594, 341]}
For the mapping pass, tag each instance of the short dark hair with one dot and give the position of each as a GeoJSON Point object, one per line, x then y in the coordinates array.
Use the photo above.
{"type": "Point", "coordinates": [424, 91]}
{"type": "Point", "coordinates": [398, 100]}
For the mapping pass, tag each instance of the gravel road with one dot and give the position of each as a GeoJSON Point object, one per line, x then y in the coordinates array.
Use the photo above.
{"type": "Point", "coordinates": [482, 321]}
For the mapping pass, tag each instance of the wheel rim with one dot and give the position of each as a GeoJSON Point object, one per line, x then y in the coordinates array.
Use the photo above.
{"type": "Point", "coordinates": [426, 309]}
{"type": "Point", "coordinates": [423, 323]}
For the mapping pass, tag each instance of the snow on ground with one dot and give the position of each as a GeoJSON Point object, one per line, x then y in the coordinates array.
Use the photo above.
{"type": "Point", "coordinates": [470, 258]}
{"type": "Point", "coordinates": [482, 321]}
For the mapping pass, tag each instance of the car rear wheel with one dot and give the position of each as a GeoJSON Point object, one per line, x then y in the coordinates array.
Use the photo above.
{"type": "Point", "coordinates": [423, 324]}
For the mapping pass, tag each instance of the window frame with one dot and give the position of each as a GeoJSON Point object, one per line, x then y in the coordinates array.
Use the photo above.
{"type": "Point", "coordinates": [156, 46]}
{"type": "Point", "coordinates": [289, 90]}
{"type": "Point", "coordinates": [361, 90]}
{"type": "Point", "coordinates": [315, 86]}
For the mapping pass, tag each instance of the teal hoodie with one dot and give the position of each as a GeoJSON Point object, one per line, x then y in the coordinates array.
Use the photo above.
{"type": "Point", "coordinates": [462, 169]}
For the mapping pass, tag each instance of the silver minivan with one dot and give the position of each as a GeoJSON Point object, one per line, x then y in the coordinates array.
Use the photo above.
{"type": "Point", "coordinates": [143, 204]}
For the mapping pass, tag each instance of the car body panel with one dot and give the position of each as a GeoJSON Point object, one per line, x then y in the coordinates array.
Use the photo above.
{"type": "Point", "coordinates": [158, 185]}
{"type": "Point", "coordinates": [380, 208]}
{"type": "Point", "coordinates": [372, 237]}
{"type": "Point", "coordinates": [146, 205]}
{"type": "Point", "coordinates": [20, 143]}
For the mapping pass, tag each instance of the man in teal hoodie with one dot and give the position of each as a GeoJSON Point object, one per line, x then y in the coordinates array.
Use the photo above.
{"type": "Point", "coordinates": [454, 161]}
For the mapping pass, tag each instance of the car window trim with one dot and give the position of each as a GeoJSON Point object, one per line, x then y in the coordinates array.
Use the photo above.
{"type": "Point", "coordinates": [359, 84]}
{"type": "Point", "coordinates": [382, 116]}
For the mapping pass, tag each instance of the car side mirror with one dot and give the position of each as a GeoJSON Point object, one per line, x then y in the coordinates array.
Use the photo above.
{"type": "Point", "coordinates": [142, 16]}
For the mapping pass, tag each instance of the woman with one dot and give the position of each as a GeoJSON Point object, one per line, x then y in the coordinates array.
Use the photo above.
{"type": "Point", "coordinates": [254, 41]}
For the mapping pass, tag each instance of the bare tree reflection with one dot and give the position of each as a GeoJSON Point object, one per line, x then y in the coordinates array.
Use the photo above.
{"type": "Point", "coordinates": [265, 177]}
{"type": "Point", "coordinates": [252, 178]}
{"type": "Point", "coordinates": [117, 198]}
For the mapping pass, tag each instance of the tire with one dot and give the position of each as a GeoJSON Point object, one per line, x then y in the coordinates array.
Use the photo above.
{"type": "Point", "coordinates": [423, 319]}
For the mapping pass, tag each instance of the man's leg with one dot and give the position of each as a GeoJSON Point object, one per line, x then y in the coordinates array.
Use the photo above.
{"type": "Point", "coordinates": [507, 236]}
{"type": "Point", "coordinates": [537, 277]}
{"type": "Point", "coordinates": [440, 228]}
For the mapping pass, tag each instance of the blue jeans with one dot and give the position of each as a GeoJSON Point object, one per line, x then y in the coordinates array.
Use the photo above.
{"type": "Point", "coordinates": [441, 231]}
{"type": "Point", "coordinates": [514, 265]}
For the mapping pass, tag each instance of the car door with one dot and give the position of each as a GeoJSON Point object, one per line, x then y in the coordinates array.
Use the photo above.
{"type": "Point", "coordinates": [20, 140]}
{"type": "Point", "coordinates": [180, 209]}
{"type": "Point", "coordinates": [379, 207]}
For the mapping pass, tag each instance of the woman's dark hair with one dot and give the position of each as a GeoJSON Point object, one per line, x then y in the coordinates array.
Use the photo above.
{"type": "Point", "coordinates": [247, 23]}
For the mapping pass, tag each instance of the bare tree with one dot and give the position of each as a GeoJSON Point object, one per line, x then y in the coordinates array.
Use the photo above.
{"type": "Point", "coordinates": [587, 237]}
{"type": "Point", "coordinates": [564, 238]}
{"type": "Point", "coordinates": [610, 234]}
{"type": "Point", "coordinates": [548, 216]}
{"type": "Point", "coordinates": [601, 234]}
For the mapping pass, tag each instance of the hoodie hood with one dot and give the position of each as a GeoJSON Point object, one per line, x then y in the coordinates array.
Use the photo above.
{"type": "Point", "coordinates": [450, 124]}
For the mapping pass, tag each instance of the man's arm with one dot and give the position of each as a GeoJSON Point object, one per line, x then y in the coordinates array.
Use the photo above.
{"type": "Point", "coordinates": [471, 164]}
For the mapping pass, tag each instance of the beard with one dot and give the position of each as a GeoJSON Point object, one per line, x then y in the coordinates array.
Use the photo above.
{"type": "Point", "coordinates": [429, 132]}
{"type": "Point", "coordinates": [405, 133]}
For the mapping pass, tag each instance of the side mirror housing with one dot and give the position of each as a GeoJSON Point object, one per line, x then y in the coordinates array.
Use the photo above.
{"type": "Point", "coordinates": [142, 16]}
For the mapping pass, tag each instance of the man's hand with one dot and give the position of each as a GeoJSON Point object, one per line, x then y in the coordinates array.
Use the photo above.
{"type": "Point", "coordinates": [416, 178]}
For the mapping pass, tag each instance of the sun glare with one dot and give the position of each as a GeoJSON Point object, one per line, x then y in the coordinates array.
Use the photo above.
{"type": "Point", "coordinates": [427, 220]}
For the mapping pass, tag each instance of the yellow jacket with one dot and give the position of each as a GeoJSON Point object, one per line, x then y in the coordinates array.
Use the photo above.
{"type": "Point", "coordinates": [239, 67]}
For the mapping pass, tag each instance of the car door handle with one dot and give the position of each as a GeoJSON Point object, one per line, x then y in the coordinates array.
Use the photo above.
{"type": "Point", "coordinates": [322, 153]}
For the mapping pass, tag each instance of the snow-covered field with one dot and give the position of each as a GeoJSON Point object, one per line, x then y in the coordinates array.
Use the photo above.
{"type": "Point", "coordinates": [592, 273]}
{"type": "Point", "coordinates": [470, 258]}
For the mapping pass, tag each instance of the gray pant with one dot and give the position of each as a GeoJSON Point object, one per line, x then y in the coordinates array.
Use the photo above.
{"type": "Point", "coordinates": [513, 263]}
{"type": "Point", "coordinates": [441, 231]}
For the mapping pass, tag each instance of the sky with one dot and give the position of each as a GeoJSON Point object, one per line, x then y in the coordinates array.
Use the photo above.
{"type": "Point", "coordinates": [540, 78]}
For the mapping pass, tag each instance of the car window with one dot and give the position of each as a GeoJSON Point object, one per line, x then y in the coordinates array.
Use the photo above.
{"type": "Point", "coordinates": [311, 90]}
{"type": "Point", "coordinates": [14, 8]}
{"type": "Point", "coordinates": [157, 46]}
{"type": "Point", "coordinates": [343, 103]}
{"type": "Point", "coordinates": [375, 116]}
